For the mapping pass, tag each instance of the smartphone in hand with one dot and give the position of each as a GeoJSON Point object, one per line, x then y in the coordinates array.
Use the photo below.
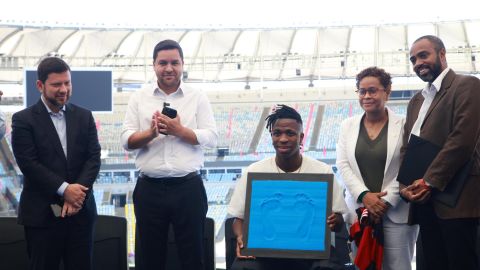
{"type": "Point", "coordinates": [172, 113]}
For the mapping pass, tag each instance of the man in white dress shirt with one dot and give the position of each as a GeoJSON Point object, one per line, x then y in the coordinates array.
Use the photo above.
{"type": "Point", "coordinates": [169, 189]}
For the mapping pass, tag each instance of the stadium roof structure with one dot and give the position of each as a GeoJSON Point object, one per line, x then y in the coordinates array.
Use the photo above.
{"type": "Point", "coordinates": [243, 55]}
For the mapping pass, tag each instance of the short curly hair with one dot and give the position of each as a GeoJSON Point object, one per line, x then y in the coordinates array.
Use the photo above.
{"type": "Point", "coordinates": [282, 111]}
{"type": "Point", "coordinates": [379, 73]}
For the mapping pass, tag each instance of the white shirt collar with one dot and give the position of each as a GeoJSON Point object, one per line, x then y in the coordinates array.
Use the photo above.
{"type": "Point", "coordinates": [157, 91]}
{"type": "Point", "coordinates": [437, 83]}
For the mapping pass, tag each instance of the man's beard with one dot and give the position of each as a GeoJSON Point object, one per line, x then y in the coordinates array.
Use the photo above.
{"type": "Point", "coordinates": [433, 71]}
{"type": "Point", "coordinates": [55, 103]}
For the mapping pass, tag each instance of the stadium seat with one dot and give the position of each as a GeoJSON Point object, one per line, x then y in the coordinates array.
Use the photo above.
{"type": "Point", "coordinates": [230, 243]}
{"type": "Point", "coordinates": [110, 244]}
{"type": "Point", "coordinates": [478, 244]}
{"type": "Point", "coordinates": [12, 245]}
{"type": "Point", "coordinates": [173, 262]}
{"type": "Point", "coordinates": [341, 245]}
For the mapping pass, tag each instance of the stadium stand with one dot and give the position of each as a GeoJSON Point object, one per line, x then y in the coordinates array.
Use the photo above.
{"type": "Point", "coordinates": [334, 113]}
{"type": "Point", "coordinates": [236, 124]}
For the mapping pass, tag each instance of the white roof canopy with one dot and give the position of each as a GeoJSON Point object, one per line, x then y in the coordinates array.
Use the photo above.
{"type": "Point", "coordinates": [212, 55]}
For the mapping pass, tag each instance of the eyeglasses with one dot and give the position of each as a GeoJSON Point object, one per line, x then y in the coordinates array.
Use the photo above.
{"type": "Point", "coordinates": [371, 90]}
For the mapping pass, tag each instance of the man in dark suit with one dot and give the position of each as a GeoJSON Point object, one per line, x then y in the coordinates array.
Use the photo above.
{"type": "Point", "coordinates": [56, 147]}
{"type": "Point", "coordinates": [446, 113]}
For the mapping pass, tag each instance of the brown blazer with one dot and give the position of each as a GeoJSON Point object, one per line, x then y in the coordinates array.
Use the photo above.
{"type": "Point", "coordinates": [452, 121]}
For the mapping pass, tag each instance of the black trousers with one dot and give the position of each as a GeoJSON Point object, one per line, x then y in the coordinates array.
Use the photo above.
{"type": "Point", "coordinates": [448, 244]}
{"type": "Point", "coordinates": [180, 201]}
{"type": "Point", "coordinates": [289, 264]}
{"type": "Point", "coordinates": [66, 240]}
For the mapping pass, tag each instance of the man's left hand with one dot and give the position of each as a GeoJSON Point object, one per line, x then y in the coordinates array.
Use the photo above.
{"type": "Point", "coordinates": [417, 192]}
{"type": "Point", "coordinates": [170, 126]}
{"type": "Point", "coordinates": [69, 209]}
{"type": "Point", "coordinates": [335, 221]}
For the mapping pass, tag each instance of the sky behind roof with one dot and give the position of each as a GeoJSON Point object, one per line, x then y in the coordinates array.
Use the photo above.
{"type": "Point", "coordinates": [232, 14]}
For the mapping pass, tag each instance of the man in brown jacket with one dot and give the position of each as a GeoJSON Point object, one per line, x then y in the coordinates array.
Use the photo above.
{"type": "Point", "coordinates": [446, 113]}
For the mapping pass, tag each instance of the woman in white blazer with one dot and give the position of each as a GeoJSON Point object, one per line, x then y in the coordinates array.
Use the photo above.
{"type": "Point", "coordinates": [368, 159]}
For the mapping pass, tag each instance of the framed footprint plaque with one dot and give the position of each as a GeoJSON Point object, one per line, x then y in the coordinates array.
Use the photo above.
{"type": "Point", "coordinates": [286, 215]}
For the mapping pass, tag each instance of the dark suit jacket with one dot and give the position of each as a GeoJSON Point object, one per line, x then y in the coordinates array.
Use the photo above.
{"type": "Point", "coordinates": [453, 122]}
{"type": "Point", "coordinates": [41, 159]}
